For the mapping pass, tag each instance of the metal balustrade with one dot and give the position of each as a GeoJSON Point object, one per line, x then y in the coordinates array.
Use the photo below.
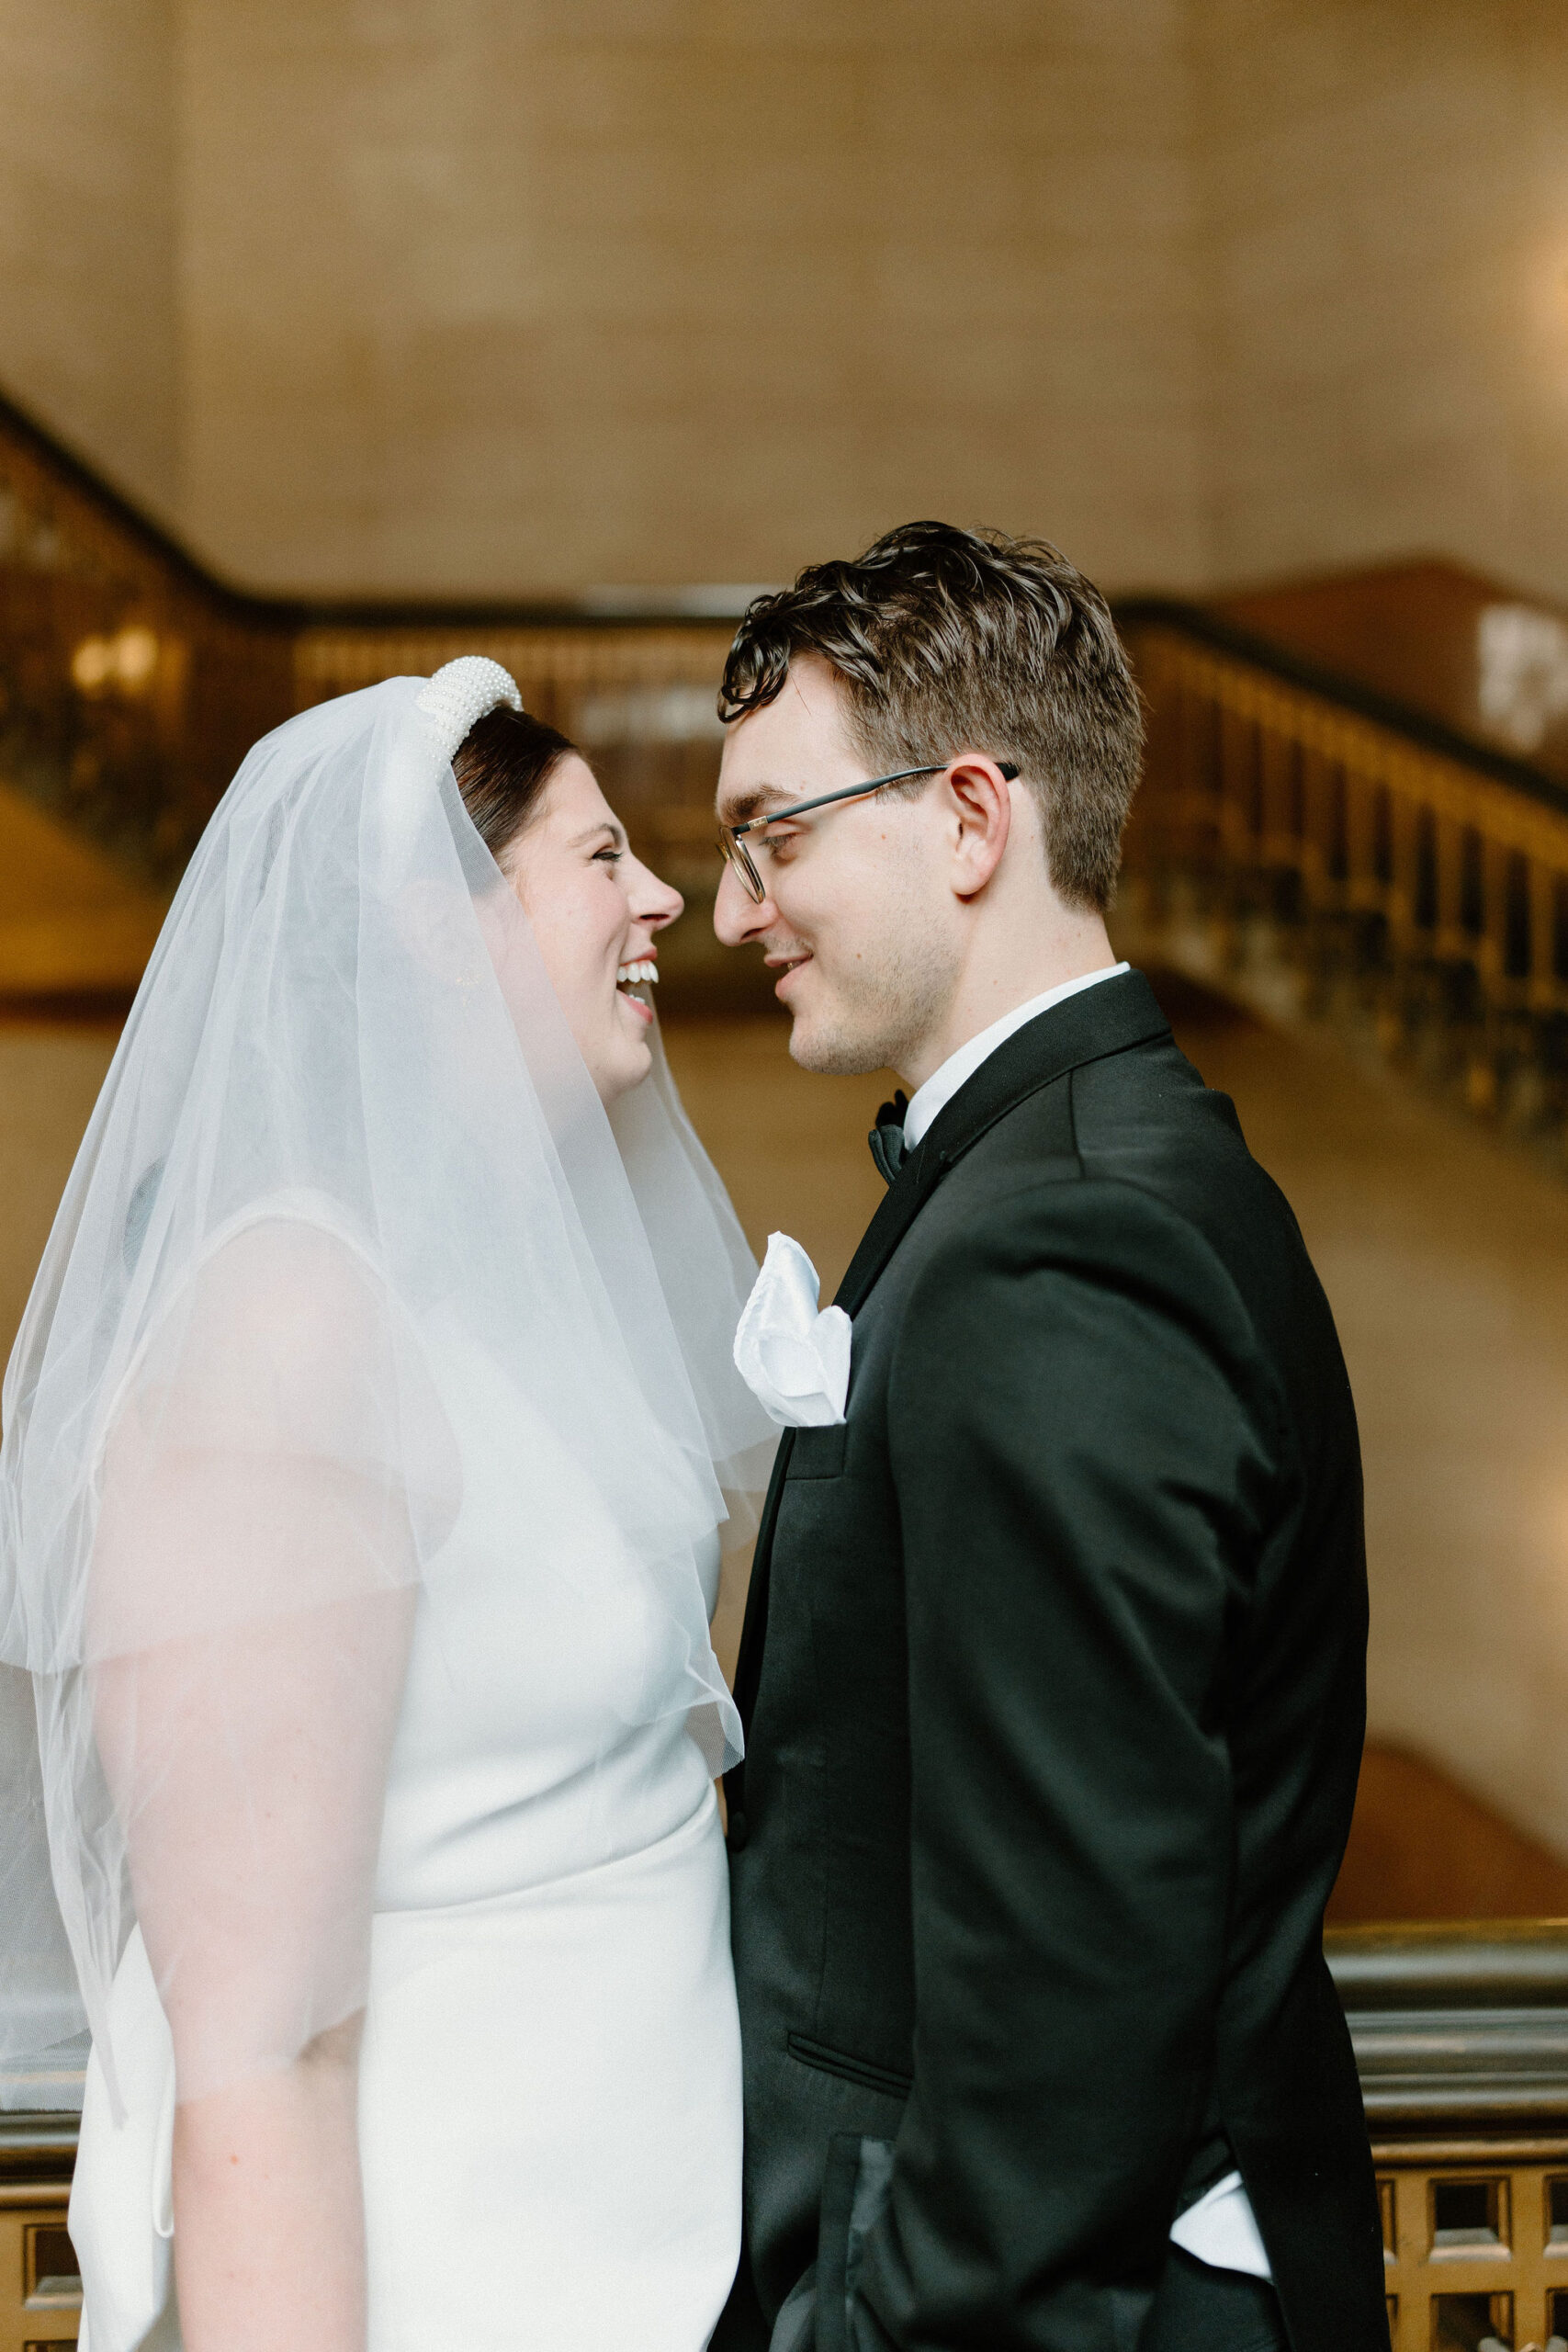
{"type": "Point", "coordinates": [1460, 2034]}
{"type": "Point", "coordinates": [1327, 853]}
{"type": "Point", "coordinates": [1296, 837]}
{"type": "Point", "coordinates": [132, 680]}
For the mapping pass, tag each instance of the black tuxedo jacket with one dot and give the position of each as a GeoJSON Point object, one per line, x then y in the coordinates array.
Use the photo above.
{"type": "Point", "coordinates": [1053, 1676]}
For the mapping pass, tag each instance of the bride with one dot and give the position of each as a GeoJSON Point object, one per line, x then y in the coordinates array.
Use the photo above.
{"type": "Point", "coordinates": [365, 1449]}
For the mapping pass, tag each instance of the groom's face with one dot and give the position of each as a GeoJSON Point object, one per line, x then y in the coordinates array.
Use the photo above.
{"type": "Point", "coordinates": [857, 922]}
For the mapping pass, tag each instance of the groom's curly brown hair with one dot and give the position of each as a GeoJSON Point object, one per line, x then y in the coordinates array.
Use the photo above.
{"type": "Point", "coordinates": [945, 641]}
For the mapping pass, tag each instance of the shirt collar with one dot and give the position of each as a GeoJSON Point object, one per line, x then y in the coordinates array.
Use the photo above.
{"type": "Point", "coordinates": [943, 1084]}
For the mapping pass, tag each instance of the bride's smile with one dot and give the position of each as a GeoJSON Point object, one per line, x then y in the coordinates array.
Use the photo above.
{"type": "Point", "coordinates": [594, 909]}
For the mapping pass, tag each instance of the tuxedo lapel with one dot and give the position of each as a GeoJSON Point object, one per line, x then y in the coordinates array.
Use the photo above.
{"type": "Point", "coordinates": [896, 1212]}
{"type": "Point", "coordinates": [749, 1662]}
{"type": "Point", "coordinates": [1106, 1018]}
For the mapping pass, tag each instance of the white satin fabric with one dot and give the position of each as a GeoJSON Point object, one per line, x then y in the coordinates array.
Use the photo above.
{"type": "Point", "coordinates": [794, 1359]}
{"type": "Point", "coordinates": [551, 2076]}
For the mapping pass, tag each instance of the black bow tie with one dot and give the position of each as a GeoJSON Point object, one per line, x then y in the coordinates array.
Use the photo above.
{"type": "Point", "coordinates": [886, 1138]}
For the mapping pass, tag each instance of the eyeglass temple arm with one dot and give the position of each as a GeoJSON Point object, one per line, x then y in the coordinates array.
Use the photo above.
{"type": "Point", "coordinates": [1007, 770]}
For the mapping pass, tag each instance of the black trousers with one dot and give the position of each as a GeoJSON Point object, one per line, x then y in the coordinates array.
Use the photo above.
{"type": "Point", "coordinates": [1195, 2310]}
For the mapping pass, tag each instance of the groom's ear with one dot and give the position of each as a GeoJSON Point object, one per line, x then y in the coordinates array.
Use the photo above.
{"type": "Point", "coordinates": [979, 820]}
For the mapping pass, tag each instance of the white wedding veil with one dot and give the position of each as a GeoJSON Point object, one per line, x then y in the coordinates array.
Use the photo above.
{"type": "Point", "coordinates": [347, 1127]}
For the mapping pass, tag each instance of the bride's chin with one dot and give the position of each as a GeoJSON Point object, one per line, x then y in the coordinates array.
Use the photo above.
{"type": "Point", "coordinates": [633, 1014]}
{"type": "Point", "coordinates": [626, 1067]}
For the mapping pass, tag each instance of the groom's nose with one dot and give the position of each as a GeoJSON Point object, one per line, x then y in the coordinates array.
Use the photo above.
{"type": "Point", "coordinates": [737, 917]}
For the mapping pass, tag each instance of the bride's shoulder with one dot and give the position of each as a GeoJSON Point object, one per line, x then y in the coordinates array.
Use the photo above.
{"type": "Point", "coordinates": [278, 1328]}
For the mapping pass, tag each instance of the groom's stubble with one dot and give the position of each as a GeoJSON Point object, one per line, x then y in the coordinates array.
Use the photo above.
{"type": "Point", "coordinates": [884, 975]}
{"type": "Point", "coordinates": [877, 1011]}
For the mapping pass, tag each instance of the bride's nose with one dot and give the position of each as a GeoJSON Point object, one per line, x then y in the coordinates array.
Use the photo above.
{"type": "Point", "coordinates": [653, 901]}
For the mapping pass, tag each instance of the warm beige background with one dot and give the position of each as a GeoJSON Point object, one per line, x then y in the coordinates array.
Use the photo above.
{"type": "Point", "coordinates": [89, 329]}
{"type": "Point", "coordinates": [1383, 189]}
{"type": "Point", "coordinates": [490, 297]}
{"type": "Point", "coordinates": [507, 295]}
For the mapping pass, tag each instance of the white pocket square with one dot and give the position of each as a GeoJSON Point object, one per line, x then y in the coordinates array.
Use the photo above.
{"type": "Point", "coordinates": [795, 1361]}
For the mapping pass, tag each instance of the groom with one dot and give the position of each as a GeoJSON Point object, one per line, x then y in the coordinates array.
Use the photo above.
{"type": "Point", "coordinates": [1052, 1667]}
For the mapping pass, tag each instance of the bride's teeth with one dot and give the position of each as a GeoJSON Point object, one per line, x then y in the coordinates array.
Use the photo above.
{"type": "Point", "coordinates": [630, 974]}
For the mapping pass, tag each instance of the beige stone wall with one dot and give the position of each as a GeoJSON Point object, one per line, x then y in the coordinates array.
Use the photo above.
{"type": "Point", "coordinates": [1383, 192]}
{"type": "Point", "coordinates": [501, 300]}
{"type": "Point", "coordinates": [88, 326]}
{"type": "Point", "coordinates": [486, 299]}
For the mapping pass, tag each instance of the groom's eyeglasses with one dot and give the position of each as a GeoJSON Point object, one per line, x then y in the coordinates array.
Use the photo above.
{"type": "Point", "coordinates": [731, 843]}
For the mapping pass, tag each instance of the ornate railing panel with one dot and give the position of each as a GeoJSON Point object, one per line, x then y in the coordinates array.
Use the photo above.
{"type": "Point", "coordinates": [130, 681]}
{"type": "Point", "coordinates": [640, 699]}
{"type": "Point", "coordinates": [1461, 2035]}
{"type": "Point", "coordinates": [1347, 857]}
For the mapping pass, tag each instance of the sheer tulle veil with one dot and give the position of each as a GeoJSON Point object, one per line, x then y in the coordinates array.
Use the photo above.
{"type": "Point", "coordinates": [346, 1140]}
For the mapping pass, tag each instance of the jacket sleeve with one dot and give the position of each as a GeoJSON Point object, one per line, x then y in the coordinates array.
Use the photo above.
{"type": "Point", "coordinates": [1084, 1446]}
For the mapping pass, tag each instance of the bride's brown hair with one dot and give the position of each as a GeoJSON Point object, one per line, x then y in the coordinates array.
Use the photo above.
{"type": "Point", "coordinates": [502, 765]}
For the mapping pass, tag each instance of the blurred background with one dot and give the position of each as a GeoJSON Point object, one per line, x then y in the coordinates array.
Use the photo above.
{"type": "Point", "coordinates": [337, 339]}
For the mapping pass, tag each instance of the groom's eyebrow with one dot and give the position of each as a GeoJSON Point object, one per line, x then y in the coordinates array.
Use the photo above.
{"type": "Point", "coordinates": [738, 809]}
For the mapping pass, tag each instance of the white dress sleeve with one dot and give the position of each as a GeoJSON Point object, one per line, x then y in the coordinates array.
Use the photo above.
{"type": "Point", "coordinates": [248, 1619]}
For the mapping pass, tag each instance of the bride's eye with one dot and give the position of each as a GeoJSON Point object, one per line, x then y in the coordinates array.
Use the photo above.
{"type": "Point", "coordinates": [607, 856]}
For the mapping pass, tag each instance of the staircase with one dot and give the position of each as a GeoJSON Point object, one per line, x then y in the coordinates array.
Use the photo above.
{"type": "Point", "coordinates": [1355, 807]}
{"type": "Point", "coordinates": [1308, 844]}
{"type": "Point", "coordinates": [132, 682]}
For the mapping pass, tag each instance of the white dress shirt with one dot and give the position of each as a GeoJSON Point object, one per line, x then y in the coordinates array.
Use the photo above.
{"type": "Point", "coordinates": [1221, 2228]}
{"type": "Point", "coordinates": [944, 1083]}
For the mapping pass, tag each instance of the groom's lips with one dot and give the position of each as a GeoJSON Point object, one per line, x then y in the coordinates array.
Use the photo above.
{"type": "Point", "coordinates": [791, 965]}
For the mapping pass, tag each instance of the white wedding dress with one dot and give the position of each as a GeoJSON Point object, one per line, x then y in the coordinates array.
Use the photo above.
{"type": "Point", "coordinates": [362, 1312]}
{"type": "Point", "coordinates": [550, 2076]}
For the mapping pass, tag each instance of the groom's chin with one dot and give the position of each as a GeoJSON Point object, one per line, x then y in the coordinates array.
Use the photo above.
{"type": "Point", "coordinates": [831, 1050]}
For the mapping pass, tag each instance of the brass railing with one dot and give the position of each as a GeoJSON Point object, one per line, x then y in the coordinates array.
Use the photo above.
{"type": "Point", "coordinates": [639, 698]}
{"type": "Point", "coordinates": [40, 2290]}
{"type": "Point", "coordinates": [1294, 838]}
{"type": "Point", "coordinates": [1301, 841]}
{"type": "Point", "coordinates": [1462, 2037]}
{"type": "Point", "coordinates": [132, 680]}
{"type": "Point", "coordinates": [1461, 2040]}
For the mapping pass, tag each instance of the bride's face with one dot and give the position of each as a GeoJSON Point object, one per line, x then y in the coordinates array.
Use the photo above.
{"type": "Point", "coordinates": [594, 909]}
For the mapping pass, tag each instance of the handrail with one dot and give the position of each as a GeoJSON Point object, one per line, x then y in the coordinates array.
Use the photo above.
{"type": "Point", "coordinates": [1320, 851]}
{"type": "Point", "coordinates": [74, 476]}
{"type": "Point", "coordinates": [1205, 627]}
{"type": "Point", "coordinates": [133, 678]}
{"type": "Point", "coordinates": [22, 437]}
{"type": "Point", "coordinates": [1362, 836]}
{"type": "Point", "coordinates": [1451, 1964]}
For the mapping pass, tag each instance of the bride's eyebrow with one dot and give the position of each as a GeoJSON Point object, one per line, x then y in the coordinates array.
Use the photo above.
{"type": "Point", "coordinates": [615, 834]}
